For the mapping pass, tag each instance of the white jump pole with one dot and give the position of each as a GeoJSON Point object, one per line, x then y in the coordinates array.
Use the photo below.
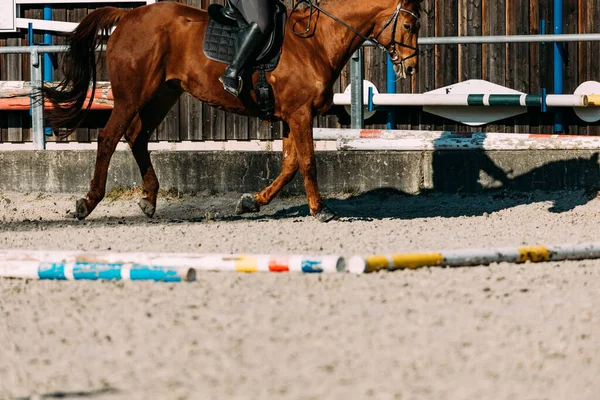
{"type": "Point", "coordinates": [485, 100]}
{"type": "Point", "coordinates": [166, 267]}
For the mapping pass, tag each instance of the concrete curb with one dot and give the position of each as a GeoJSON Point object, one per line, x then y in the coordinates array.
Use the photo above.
{"type": "Point", "coordinates": [339, 172]}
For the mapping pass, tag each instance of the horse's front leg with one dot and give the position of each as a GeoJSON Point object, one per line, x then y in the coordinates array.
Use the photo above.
{"type": "Point", "coordinates": [298, 152]}
{"type": "Point", "coordinates": [301, 128]}
{"type": "Point", "coordinates": [289, 167]}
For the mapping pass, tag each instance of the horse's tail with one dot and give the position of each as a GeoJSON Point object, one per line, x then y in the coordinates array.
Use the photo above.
{"type": "Point", "coordinates": [79, 68]}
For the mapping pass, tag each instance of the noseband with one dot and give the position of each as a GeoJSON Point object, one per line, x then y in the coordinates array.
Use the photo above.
{"type": "Point", "coordinates": [391, 48]}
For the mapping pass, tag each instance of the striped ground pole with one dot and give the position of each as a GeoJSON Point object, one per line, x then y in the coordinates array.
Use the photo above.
{"type": "Point", "coordinates": [401, 140]}
{"type": "Point", "coordinates": [163, 267]}
{"type": "Point", "coordinates": [341, 133]}
{"type": "Point", "coordinates": [473, 257]}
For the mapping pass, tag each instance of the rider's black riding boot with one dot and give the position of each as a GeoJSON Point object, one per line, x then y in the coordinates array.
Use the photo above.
{"type": "Point", "coordinates": [249, 43]}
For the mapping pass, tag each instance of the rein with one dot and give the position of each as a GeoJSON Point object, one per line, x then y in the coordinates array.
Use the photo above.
{"type": "Point", "coordinates": [393, 21]}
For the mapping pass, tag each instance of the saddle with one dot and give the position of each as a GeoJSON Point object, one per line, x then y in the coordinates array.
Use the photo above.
{"type": "Point", "coordinates": [220, 35]}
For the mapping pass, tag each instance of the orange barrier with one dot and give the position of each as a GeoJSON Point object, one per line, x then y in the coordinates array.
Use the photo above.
{"type": "Point", "coordinates": [15, 96]}
{"type": "Point", "coordinates": [24, 104]}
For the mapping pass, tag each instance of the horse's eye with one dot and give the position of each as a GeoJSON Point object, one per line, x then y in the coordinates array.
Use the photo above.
{"type": "Point", "coordinates": [408, 27]}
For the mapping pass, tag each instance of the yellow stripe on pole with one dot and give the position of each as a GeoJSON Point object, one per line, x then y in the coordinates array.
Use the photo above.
{"type": "Point", "coordinates": [533, 254]}
{"type": "Point", "coordinates": [593, 100]}
{"type": "Point", "coordinates": [403, 261]}
{"type": "Point", "coordinates": [414, 261]}
{"type": "Point", "coordinates": [375, 263]}
{"type": "Point", "coordinates": [246, 264]}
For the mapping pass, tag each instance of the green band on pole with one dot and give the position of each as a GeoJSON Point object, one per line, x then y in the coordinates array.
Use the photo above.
{"type": "Point", "coordinates": [505, 100]}
{"type": "Point", "coordinates": [475, 99]}
{"type": "Point", "coordinates": [533, 100]}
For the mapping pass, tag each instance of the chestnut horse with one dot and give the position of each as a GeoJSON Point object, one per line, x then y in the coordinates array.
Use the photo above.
{"type": "Point", "coordinates": [154, 55]}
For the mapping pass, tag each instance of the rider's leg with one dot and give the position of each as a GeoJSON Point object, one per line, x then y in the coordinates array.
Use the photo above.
{"type": "Point", "coordinates": [259, 11]}
{"type": "Point", "coordinates": [250, 40]}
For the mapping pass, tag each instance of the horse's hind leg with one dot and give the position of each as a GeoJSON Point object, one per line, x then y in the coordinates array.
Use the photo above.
{"type": "Point", "coordinates": [138, 136]}
{"type": "Point", "coordinates": [108, 139]}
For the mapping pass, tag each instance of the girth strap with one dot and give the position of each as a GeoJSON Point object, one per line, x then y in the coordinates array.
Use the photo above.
{"type": "Point", "coordinates": [265, 97]}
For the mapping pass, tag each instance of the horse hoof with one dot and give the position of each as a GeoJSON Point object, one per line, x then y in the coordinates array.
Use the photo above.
{"type": "Point", "coordinates": [247, 204]}
{"type": "Point", "coordinates": [147, 208]}
{"type": "Point", "coordinates": [325, 214]}
{"type": "Point", "coordinates": [81, 210]}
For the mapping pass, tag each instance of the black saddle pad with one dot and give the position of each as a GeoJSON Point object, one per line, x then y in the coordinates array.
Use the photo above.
{"type": "Point", "coordinates": [219, 41]}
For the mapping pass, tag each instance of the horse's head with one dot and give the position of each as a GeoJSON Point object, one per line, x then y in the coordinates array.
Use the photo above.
{"type": "Point", "coordinates": [397, 29]}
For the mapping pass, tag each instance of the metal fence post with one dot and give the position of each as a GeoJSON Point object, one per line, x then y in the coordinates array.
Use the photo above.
{"type": "Point", "coordinates": [357, 75]}
{"type": "Point", "coordinates": [37, 107]}
{"type": "Point", "coordinates": [391, 88]}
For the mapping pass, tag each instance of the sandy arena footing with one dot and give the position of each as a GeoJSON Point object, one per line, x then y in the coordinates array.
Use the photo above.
{"type": "Point", "coordinates": [504, 332]}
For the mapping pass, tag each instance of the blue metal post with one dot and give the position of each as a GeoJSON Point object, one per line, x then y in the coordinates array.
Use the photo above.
{"type": "Point", "coordinates": [30, 43]}
{"type": "Point", "coordinates": [47, 73]}
{"type": "Point", "coordinates": [391, 88]}
{"type": "Point", "coordinates": [558, 60]}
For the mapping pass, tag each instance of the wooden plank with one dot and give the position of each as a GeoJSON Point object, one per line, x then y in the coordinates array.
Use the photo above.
{"type": "Point", "coordinates": [517, 23]}
{"type": "Point", "coordinates": [570, 15]}
{"type": "Point", "coordinates": [535, 80]}
{"type": "Point", "coordinates": [426, 74]}
{"type": "Point", "coordinates": [190, 118]}
{"type": "Point", "coordinates": [469, 55]}
{"type": "Point", "coordinates": [211, 123]}
{"type": "Point", "coordinates": [259, 130]}
{"type": "Point", "coordinates": [190, 109]}
{"type": "Point", "coordinates": [236, 127]}
{"type": "Point", "coordinates": [494, 55]}
{"type": "Point", "coordinates": [376, 72]}
{"type": "Point", "coordinates": [168, 130]}
{"type": "Point", "coordinates": [546, 120]}
{"type": "Point", "coordinates": [446, 57]}
{"type": "Point", "coordinates": [517, 72]}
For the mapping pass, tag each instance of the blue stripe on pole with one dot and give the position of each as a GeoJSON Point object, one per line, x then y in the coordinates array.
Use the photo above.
{"type": "Point", "coordinates": [48, 270]}
{"type": "Point", "coordinates": [160, 274]}
{"type": "Point", "coordinates": [95, 271]}
{"type": "Point", "coordinates": [311, 266]}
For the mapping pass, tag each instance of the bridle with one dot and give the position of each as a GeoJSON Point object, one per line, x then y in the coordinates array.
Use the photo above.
{"type": "Point", "coordinates": [391, 48]}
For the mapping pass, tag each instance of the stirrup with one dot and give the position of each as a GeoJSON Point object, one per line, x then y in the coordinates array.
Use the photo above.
{"type": "Point", "coordinates": [231, 90]}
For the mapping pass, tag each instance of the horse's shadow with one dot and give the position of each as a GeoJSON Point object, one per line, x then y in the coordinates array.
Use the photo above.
{"type": "Point", "coordinates": [458, 191]}
{"type": "Point", "coordinates": [388, 203]}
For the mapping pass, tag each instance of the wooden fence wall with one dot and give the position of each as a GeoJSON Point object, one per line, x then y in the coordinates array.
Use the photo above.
{"type": "Point", "coordinates": [524, 67]}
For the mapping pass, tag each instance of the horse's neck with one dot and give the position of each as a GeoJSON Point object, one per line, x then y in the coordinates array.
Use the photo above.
{"type": "Point", "coordinates": [339, 42]}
